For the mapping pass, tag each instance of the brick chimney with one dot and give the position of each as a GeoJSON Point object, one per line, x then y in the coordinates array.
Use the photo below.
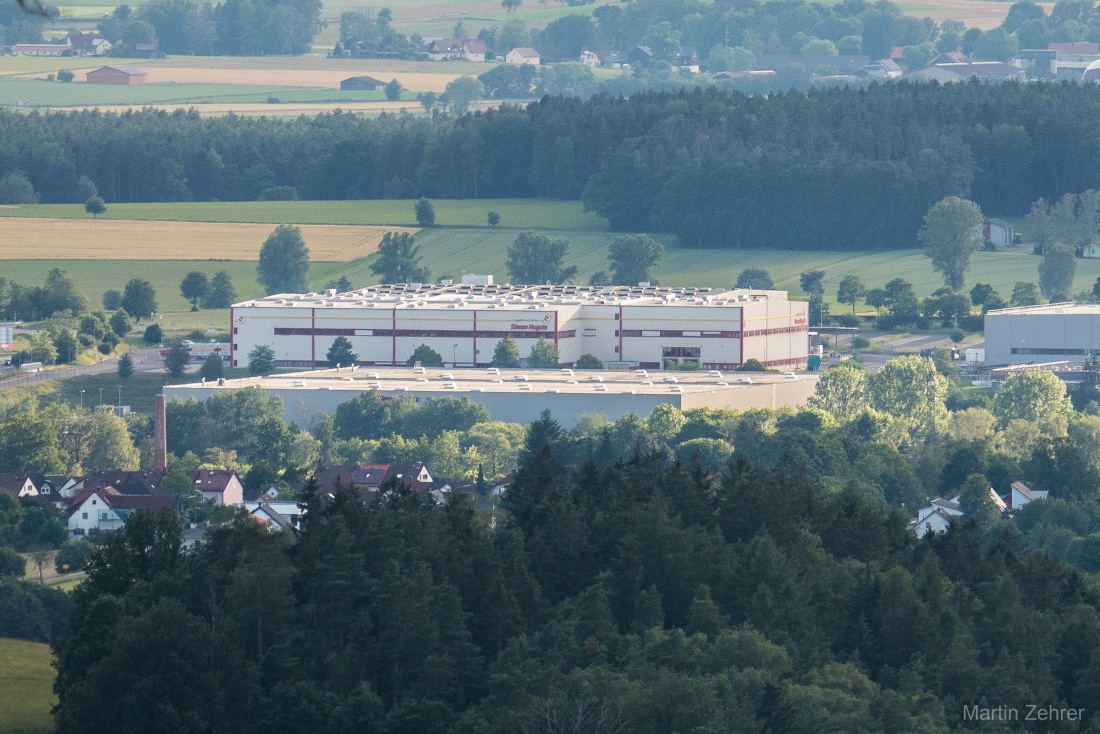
{"type": "Point", "coordinates": [160, 436]}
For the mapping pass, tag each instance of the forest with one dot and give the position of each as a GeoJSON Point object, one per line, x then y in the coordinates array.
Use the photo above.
{"type": "Point", "coordinates": [719, 169]}
{"type": "Point", "coordinates": [641, 595]}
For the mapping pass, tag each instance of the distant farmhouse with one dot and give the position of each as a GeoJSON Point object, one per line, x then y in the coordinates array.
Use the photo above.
{"type": "Point", "coordinates": [521, 56]}
{"type": "Point", "coordinates": [117, 75]}
{"type": "Point", "coordinates": [457, 49]}
{"type": "Point", "coordinates": [75, 44]}
{"type": "Point", "coordinates": [362, 84]}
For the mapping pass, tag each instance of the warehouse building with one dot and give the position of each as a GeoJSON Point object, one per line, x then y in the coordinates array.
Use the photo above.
{"type": "Point", "coordinates": [517, 396]}
{"type": "Point", "coordinates": [641, 327]}
{"type": "Point", "coordinates": [1041, 334]}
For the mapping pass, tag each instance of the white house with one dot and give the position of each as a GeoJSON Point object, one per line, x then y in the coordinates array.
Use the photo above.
{"type": "Point", "coordinates": [20, 485]}
{"type": "Point", "coordinates": [1024, 495]}
{"type": "Point", "coordinates": [936, 518]}
{"type": "Point", "coordinates": [276, 515]}
{"type": "Point", "coordinates": [590, 59]}
{"type": "Point", "coordinates": [220, 486]}
{"type": "Point", "coordinates": [998, 231]}
{"type": "Point", "coordinates": [520, 56]}
{"type": "Point", "coordinates": [104, 509]}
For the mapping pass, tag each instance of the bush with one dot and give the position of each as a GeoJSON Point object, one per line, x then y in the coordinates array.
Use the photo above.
{"type": "Point", "coordinates": [86, 340]}
{"type": "Point", "coordinates": [957, 336]}
{"type": "Point", "coordinates": [65, 76]}
{"type": "Point", "coordinates": [589, 362]}
{"type": "Point", "coordinates": [972, 323]}
{"type": "Point", "coordinates": [847, 320]}
{"type": "Point", "coordinates": [105, 347]}
{"type": "Point", "coordinates": [752, 365]}
{"type": "Point", "coordinates": [71, 554]}
{"type": "Point", "coordinates": [112, 299]}
{"type": "Point", "coordinates": [153, 334]}
{"type": "Point", "coordinates": [861, 342]}
{"type": "Point", "coordinates": [279, 193]}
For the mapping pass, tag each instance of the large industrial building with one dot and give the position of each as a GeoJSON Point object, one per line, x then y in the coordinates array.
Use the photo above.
{"type": "Point", "coordinates": [1041, 334]}
{"type": "Point", "coordinates": [517, 396]}
{"type": "Point", "coordinates": [638, 327]}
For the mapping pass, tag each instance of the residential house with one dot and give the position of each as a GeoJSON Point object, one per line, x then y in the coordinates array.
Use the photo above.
{"type": "Point", "coordinates": [937, 516]}
{"type": "Point", "coordinates": [1074, 60]}
{"type": "Point", "coordinates": [639, 56]}
{"type": "Point", "coordinates": [276, 515]}
{"type": "Point", "coordinates": [1091, 250]}
{"type": "Point", "coordinates": [591, 59]}
{"type": "Point", "coordinates": [124, 482]}
{"type": "Point", "coordinates": [88, 44]}
{"type": "Point", "coordinates": [452, 49]}
{"type": "Point", "coordinates": [688, 59]}
{"type": "Point", "coordinates": [362, 84]}
{"type": "Point", "coordinates": [1022, 495]}
{"type": "Point", "coordinates": [194, 536]}
{"type": "Point", "coordinates": [520, 56]}
{"type": "Point", "coordinates": [105, 509]}
{"type": "Point", "coordinates": [220, 486]}
{"type": "Point", "coordinates": [369, 477]}
{"type": "Point", "coordinates": [121, 74]}
{"type": "Point", "coordinates": [998, 231]}
{"type": "Point", "coordinates": [23, 485]}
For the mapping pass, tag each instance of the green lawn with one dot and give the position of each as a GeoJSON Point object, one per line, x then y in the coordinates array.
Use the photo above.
{"type": "Point", "coordinates": [514, 213]}
{"type": "Point", "coordinates": [26, 688]}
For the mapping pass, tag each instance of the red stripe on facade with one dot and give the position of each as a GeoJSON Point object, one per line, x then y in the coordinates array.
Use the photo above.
{"type": "Point", "coordinates": [313, 338]}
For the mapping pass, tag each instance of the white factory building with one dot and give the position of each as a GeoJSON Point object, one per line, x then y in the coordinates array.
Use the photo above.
{"type": "Point", "coordinates": [520, 396]}
{"type": "Point", "coordinates": [1042, 334]}
{"type": "Point", "coordinates": [626, 327]}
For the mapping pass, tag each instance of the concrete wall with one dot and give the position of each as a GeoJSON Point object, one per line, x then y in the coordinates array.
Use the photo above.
{"type": "Point", "coordinates": [1019, 338]}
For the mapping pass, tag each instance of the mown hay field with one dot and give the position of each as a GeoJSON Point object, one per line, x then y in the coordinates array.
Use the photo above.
{"type": "Point", "coordinates": [26, 687]}
{"type": "Point", "coordinates": [389, 213]}
{"type": "Point", "coordinates": [107, 239]}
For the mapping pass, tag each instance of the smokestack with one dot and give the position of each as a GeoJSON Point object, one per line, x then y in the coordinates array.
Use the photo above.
{"type": "Point", "coordinates": [160, 436]}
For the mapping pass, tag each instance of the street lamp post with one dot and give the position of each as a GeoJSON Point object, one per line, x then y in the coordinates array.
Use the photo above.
{"type": "Point", "coordinates": [454, 356]}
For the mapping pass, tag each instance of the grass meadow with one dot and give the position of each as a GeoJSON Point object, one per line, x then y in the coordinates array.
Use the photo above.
{"type": "Point", "coordinates": [26, 687]}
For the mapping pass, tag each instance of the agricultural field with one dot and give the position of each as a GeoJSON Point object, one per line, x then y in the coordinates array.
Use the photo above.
{"type": "Point", "coordinates": [26, 687]}
{"type": "Point", "coordinates": [100, 239]}
{"type": "Point", "coordinates": [390, 213]}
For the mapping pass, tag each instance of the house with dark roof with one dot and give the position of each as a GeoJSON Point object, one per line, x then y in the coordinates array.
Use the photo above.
{"type": "Point", "coordinates": [369, 477]}
{"type": "Point", "coordinates": [22, 485]}
{"type": "Point", "coordinates": [124, 482]}
{"type": "Point", "coordinates": [220, 486]}
{"type": "Point", "coordinates": [362, 84]}
{"type": "Point", "coordinates": [88, 44]}
{"type": "Point", "coordinates": [105, 509]}
{"type": "Point", "coordinates": [465, 49]}
{"type": "Point", "coordinates": [120, 74]}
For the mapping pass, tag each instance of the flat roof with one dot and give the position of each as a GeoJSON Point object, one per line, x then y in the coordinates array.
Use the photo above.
{"type": "Point", "coordinates": [1068, 307]}
{"type": "Point", "coordinates": [444, 381]}
{"type": "Point", "coordinates": [421, 295]}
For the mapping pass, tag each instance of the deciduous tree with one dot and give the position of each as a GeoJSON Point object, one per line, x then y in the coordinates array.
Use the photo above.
{"type": "Point", "coordinates": [195, 287]}
{"type": "Point", "coordinates": [1033, 396]}
{"type": "Point", "coordinates": [222, 294]}
{"type": "Point", "coordinates": [754, 278]}
{"type": "Point", "coordinates": [284, 261]}
{"type": "Point", "coordinates": [425, 212]}
{"type": "Point", "coordinates": [177, 359]}
{"type": "Point", "coordinates": [426, 356]}
{"type": "Point", "coordinates": [340, 353]}
{"type": "Point", "coordinates": [950, 235]}
{"type": "Point", "coordinates": [841, 391]}
{"type": "Point", "coordinates": [1056, 271]}
{"type": "Point", "coordinates": [399, 260]}
{"type": "Point", "coordinates": [631, 258]}
{"type": "Point", "coordinates": [850, 290]}
{"type": "Point", "coordinates": [535, 259]}
{"type": "Point", "coordinates": [139, 298]}
{"type": "Point", "coordinates": [544, 355]}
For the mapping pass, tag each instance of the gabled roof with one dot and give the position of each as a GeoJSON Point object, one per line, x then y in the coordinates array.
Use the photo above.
{"type": "Point", "coordinates": [1082, 48]}
{"type": "Point", "coordinates": [115, 501]}
{"type": "Point", "coordinates": [212, 480]}
{"type": "Point", "coordinates": [127, 70]}
{"type": "Point", "coordinates": [126, 482]}
{"type": "Point", "coordinates": [526, 52]}
{"type": "Point", "coordinates": [474, 46]}
{"type": "Point", "coordinates": [365, 80]}
{"type": "Point", "coordinates": [13, 483]}
{"type": "Point", "coordinates": [87, 41]}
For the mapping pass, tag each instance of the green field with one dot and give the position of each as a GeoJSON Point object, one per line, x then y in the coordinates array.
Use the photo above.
{"type": "Point", "coordinates": [452, 252]}
{"type": "Point", "coordinates": [514, 213]}
{"type": "Point", "coordinates": [26, 688]}
{"type": "Point", "coordinates": [42, 93]}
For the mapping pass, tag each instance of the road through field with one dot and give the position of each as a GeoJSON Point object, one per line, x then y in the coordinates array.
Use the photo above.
{"type": "Point", "coordinates": [113, 239]}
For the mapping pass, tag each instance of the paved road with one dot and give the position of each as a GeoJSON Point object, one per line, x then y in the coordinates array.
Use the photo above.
{"type": "Point", "coordinates": [145, 360]}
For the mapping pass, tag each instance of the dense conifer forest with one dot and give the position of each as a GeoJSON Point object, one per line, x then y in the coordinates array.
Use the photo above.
{"type": "Point", "coordinates": [861, 167]}
{"type": "Point", "coordinates": [641, 596]}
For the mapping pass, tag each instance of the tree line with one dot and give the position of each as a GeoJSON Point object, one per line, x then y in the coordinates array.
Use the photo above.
{"type": "Point", "coordinates": [862, 167]}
